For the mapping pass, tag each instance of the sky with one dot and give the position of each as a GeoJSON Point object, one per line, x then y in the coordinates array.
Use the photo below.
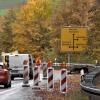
{"type": "Point", "coordinates": [10, 3]}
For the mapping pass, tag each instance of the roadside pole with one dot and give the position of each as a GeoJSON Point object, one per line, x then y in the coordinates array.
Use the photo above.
{"type": "Point", "coordinates": [69, 59]}
{"type": "Point", "coordinates": [26, 74]}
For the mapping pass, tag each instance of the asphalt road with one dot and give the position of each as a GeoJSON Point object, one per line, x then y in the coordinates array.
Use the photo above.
{"type": "Point", "coordinates": [17, 92]}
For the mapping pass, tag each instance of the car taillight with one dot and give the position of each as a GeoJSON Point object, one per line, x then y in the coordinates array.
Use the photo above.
{"type": "Point", "coordinates": [5, 71]}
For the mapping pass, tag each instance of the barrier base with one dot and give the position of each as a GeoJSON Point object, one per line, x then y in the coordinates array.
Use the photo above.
{"type": "Point", "coordinates": [50, 90]}
{"type": "Point", "coordinates": [36, 88]}
{"type": "Point", "coordinates": [25, 85]}
{"type": "Point", "coordinates": [44, 78]}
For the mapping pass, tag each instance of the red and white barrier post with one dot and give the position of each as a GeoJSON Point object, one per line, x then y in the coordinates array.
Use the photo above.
{"type": "Point", "coordinates": [36, 77]}
{"type": "Point", "coordinates": [50, 81]}
{"type": "Point", "coordinates": [38, 64]}
{"type": "Point", "coordinates": [26, 74]}
{"type": "Point", "coordinates": [63, 81]}
{"type": "Point", "coordinates": [44, 67]}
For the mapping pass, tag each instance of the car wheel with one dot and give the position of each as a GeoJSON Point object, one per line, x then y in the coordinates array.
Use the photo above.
{"type": "Point", "coordinates": [6, 85]}
{"type": "Point", "coordinates": [10, 84]}
{"type": "Point", "coordinates": [12, 78]}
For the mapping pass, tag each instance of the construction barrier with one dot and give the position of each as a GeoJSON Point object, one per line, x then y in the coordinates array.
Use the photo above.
{"type": "Point", "coordinates": [25, 74]}
{"type": "Point", "coordinates": [63, 81]}
{"type": "Point", "coordinates": [36, 77]}
{"type": "Point", "coordinates": [50, 81]}
{"type": "Point", "coordinates": [44, 67]}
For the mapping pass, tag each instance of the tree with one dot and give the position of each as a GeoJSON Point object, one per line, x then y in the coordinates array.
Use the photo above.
{"type": "Point", "coordinates": [31, 29]}
{"type": "Point", "coordinates": [73, 13]}
{"type": "Point", "coordinates": [94, 23]}
{"type": "Point", "coordinates": [7, 31]}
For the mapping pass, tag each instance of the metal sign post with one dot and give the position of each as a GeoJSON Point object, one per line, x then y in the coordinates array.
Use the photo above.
{"type": "Point", "coordinates": [69, 58]}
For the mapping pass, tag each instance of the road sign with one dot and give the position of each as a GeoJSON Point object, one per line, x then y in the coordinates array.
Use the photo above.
{"type": "Point", "coordinates": [73, 39]}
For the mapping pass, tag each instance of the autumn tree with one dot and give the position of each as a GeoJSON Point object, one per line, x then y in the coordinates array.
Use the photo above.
{"type": "Point", "coordinates": [68, 13]}
{"type": "Point", "coordinates": [31, 29]}
{"type": "Point", "coordinates": [7, 31]}
{"type": "Point", "coordinates": [94, 23]}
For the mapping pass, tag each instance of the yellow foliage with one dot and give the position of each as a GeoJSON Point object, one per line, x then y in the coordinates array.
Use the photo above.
{"type": "Point", "coordinates": [26, 29]}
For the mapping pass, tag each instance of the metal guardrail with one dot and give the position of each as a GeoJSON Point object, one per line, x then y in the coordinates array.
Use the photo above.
{"type": "Point", "coordinates": [75, 64]}
{"type": "Point", "coordinates": [88, 83]}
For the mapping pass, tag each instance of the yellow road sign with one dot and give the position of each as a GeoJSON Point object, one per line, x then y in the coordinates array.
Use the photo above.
{"type": "Point", "coordinates": [73, 39]}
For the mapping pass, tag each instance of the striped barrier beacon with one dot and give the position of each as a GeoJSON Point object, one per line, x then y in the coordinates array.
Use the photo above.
{"type": "Point", "coordinates": [63, 80]}
{"type": "Point", "coordinates": [50, 81]}
{"type": "Point", "coordinates": [44, 67]}
{"type": "Point", "coordinates": [25, 74]}
{"type": "Point", "coordinates": [36, 77]}
{"type": "Point", "coordinates": [38, 64]}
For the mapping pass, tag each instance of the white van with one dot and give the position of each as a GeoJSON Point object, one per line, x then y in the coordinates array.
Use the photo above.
{"type": "Point", "coordinates": [15, 63]}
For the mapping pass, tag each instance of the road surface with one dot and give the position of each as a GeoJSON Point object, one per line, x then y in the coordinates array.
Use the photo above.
{"type": "Point", "coordinates": [17, 92]}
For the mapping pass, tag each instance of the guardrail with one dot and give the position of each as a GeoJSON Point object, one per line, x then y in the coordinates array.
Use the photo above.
{"type": "Point", "coordinates": [88, 83]}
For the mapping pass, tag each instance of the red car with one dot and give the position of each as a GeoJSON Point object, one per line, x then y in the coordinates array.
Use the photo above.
{"type": "Point", "coordinates": [5, 76]}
